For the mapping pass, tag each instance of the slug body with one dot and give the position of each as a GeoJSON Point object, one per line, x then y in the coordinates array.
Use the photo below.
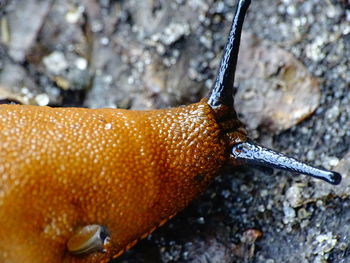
{"type": "Point", "coordinates": [62, 169]}
{"type": "Point", "coordinates": [81, 185]}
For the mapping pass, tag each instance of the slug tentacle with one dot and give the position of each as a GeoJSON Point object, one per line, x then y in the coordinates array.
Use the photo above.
{"type": "Point", "coordinates": [222, 91]}
{"type": "Point", "coordinates": [256, 154]}
{"type": "Point", "coordinates": [221, 101]}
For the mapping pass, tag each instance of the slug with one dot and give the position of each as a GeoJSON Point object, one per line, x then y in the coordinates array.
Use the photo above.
{"type": "Point", "coordinates": [83, 185]}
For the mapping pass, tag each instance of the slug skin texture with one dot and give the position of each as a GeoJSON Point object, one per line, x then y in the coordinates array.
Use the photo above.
{"type": "Point", "coordinates": [130, 171]}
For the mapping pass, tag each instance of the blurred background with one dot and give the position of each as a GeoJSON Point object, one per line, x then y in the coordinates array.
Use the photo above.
{"type": "Point", "coordinates": [293, 82]}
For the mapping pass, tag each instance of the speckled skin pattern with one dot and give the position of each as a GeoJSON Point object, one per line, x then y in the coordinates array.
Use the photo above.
{"type": "Point", "coordinates": [64, 168]}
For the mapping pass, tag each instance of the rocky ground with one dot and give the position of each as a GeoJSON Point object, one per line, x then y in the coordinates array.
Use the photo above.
{"type": "Point", "coordinates": [294, 82]}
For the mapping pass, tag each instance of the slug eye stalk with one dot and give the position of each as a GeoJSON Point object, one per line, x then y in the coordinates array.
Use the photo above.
{"type": "Point", "coordinates": [222, 95]}
{"type": "Point", "coordinates": [222, 91]}
{"type": "Point", "coordinates": [256, 154]}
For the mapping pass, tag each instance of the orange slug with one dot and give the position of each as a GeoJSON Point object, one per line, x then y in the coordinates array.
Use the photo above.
{"type": "Point", "coordinates": [83, 185]}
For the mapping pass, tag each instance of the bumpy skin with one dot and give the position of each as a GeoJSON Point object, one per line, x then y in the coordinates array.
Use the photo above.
{"type": "Point", "coordinates": [61, 169]}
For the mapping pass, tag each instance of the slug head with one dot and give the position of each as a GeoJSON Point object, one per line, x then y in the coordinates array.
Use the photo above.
{"type": "Point", "coordinates": [221, 101]}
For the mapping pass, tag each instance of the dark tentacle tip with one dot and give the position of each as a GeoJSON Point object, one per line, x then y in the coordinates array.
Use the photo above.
{"type": "Point", "coordinates": [335, 178]}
